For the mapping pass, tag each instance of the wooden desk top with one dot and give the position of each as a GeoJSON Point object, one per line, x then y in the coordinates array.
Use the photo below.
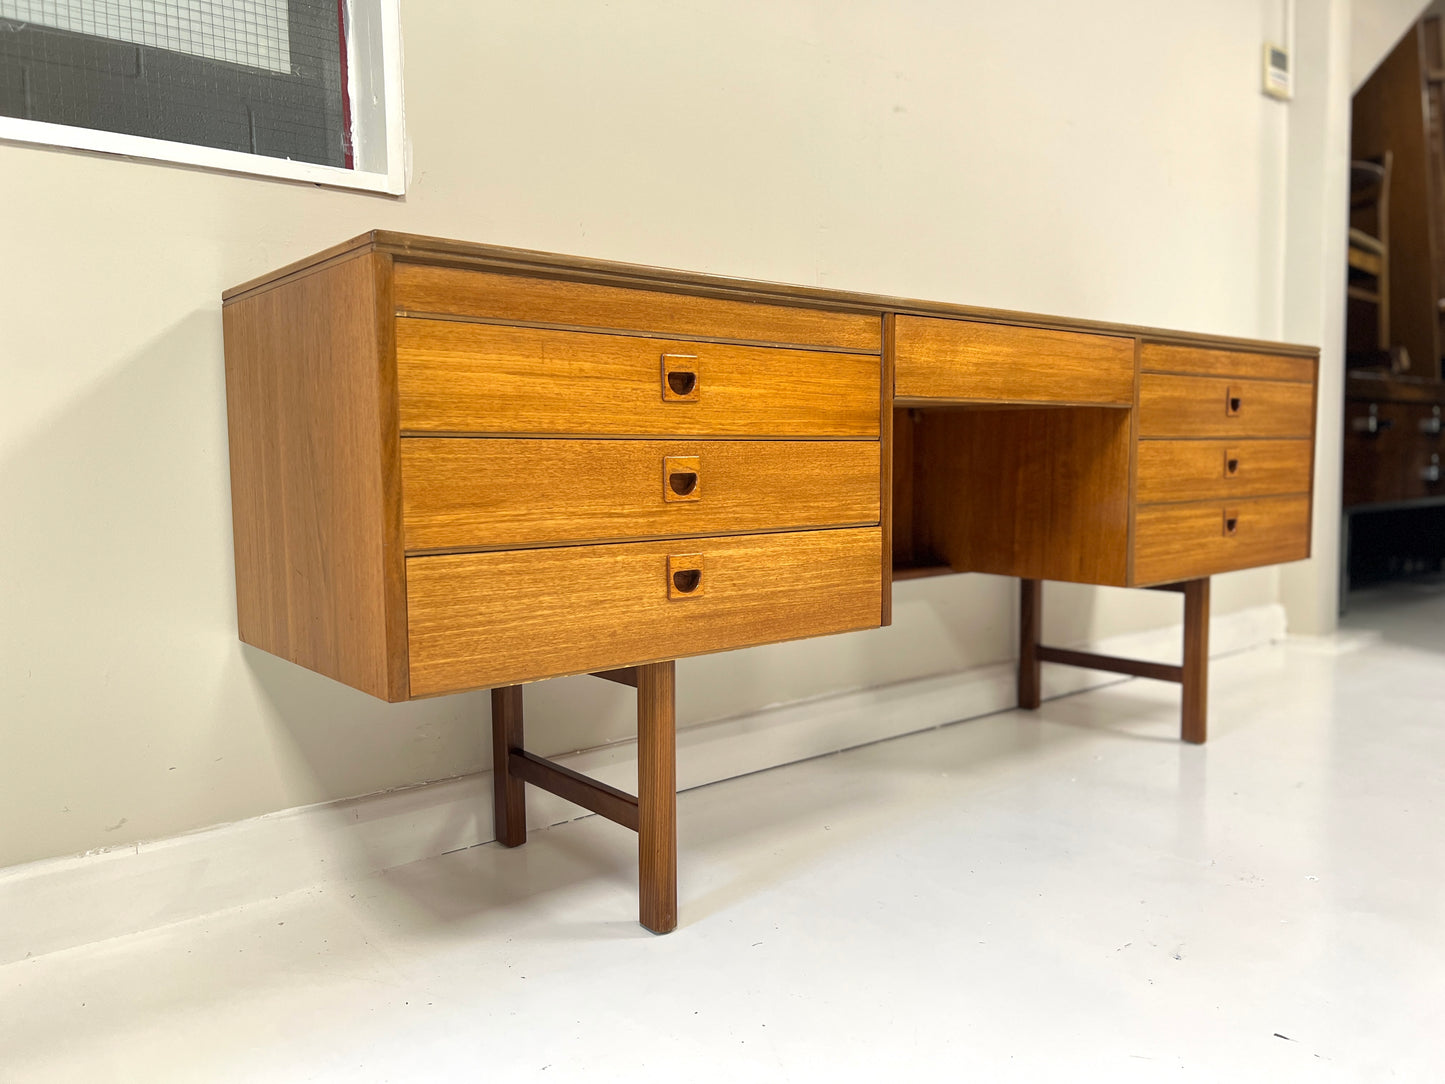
{"type": "Point", "coordinates": [468, 254]}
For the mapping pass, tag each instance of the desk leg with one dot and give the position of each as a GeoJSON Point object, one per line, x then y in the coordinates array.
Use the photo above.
{"type": "Point", "coordinates": [1031, 616]}
{"type": "Point", "coordinates": [1194, 679]}
{"type": "Point", "coordinates": [509, 797]}
{"type": "Point", "coordinates": [657, 796]}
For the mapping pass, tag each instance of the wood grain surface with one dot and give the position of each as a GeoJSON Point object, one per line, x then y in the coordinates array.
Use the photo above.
{"type": "Point", "coordinates": [1031, 625]}
{"type": "Point", "coordinates": [492, 493]}
{"type": "Point", "coordinates": [657, 796]}
{"type": "Point", "coordinates": [315, 491]}
{"type": "Point", "coordinates": [1196, 470]}
{"type": "Point", "coordinates": [1199, 361]}
{"type": "Point", "coordinates": [484, 378]}
{"type": "Point", "coordinates": [962, 360]}
{"type": "Point", "coordinates": [480, 619]}
{"type": "Point", "coordinates": [1194, 676]}
{"type": "Point", "coordinates": [447, 290]}
{"type": "Point", "coordinates": [509, 794]}
{"type": "Point", "coordinates": [1197, 406]}
{"type": "Point", "coordinates": [1036, 493]}
{"type": "Point", "coordinates": [1185, 541]}
{"type": "Point", "coordinates": [530, 263]}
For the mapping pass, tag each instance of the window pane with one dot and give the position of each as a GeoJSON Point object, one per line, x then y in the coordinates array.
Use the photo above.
{"type": "Point", "coordinates": [257, 76]}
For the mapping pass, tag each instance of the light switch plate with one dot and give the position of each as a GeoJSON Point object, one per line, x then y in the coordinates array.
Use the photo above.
{"type": "Point", "coordinates": [1278, 82]}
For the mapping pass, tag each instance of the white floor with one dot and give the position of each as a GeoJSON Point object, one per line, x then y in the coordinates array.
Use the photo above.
{"type": "Point", "coordinates": [1068, 895]}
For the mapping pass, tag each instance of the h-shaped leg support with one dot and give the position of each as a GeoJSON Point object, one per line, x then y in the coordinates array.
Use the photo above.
{"type": "Point", "coordinates": [1192, 675]}
{"type": "Point", "coordinates": [652, 813]}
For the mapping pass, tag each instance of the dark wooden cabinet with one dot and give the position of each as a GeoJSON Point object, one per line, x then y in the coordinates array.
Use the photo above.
{"type": "Point", "coordinates": [1394, 477]}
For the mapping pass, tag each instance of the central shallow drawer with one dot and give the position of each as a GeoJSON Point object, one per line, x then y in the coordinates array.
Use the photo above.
{"type": "Point", "coordinates": [1197, 406]}
{"type": "Point", "coordinates": [483, 378]}
{"type": "Point", "coordinates": [1186, 541]}
{"type": "Point", "coordinates": [470, 492]}
{"type": "Point", "coordinates": [477, 620]}
{"type": "Point", "coordinates": [1196, 470]}
{"type": "Point", "coordinates": [965, 360]}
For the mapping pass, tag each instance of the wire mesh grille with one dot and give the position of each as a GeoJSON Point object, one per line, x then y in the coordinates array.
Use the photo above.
{"type": "Point", "coordinates": [260, 76]}
{"type": "Point", "coordinates": [251, 32]}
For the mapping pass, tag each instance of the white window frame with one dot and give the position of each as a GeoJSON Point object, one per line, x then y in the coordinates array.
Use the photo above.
{"type": "Point", "coordinates": [374, 86]}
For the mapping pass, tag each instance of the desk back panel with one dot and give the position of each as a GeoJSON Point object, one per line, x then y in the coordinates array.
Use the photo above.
{"type": "Point", "coordinates": [1036, 492]}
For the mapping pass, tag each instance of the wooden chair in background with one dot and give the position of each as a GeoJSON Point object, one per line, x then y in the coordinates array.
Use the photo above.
{"type": "Point", "coordinates": [1369, 244]}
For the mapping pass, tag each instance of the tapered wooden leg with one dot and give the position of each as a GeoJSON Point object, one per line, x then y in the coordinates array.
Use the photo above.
{"type": "Point", "coordinates": [657, 796]}
{"type": "Point", "coordinates": [509, 796]}
{"type": "Point", "coordinates": [1194, 713]}
{"type": "Point", "coordinates": [1031, 616]}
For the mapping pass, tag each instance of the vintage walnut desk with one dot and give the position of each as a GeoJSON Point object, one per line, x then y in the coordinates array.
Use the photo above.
{"type": "Point", "coordinates": [456, 466]}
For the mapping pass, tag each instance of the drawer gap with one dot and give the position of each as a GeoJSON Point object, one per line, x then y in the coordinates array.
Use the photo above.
{"type": "Point", "coordinates": [622, 539]}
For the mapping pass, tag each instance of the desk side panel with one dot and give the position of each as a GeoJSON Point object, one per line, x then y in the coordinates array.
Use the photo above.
{"type": "Point", "coordinates": [315, 489]}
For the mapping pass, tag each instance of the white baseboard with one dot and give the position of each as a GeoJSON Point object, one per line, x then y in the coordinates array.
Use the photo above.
{"type": "Point", "coordinates": [65, 902]}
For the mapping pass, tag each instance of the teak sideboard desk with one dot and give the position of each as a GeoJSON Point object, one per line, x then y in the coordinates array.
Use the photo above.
{"type": "Point", "coordinates": [456, 466]}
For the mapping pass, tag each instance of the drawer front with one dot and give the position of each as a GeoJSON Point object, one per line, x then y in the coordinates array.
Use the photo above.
{"type": "Point", "coordinates": [1379, 452]}
{"type": "Point", "coordinates": [1185, 541]}
{"type": "Point", "coordinates": [1197, 406]}
{"type": "Point", "coordinates": [1198, 361]}
{"type": "Point", "coordinates": [492, 493]}
{"type": "Point", "coordinates": [1425, 474]}
{"type": "Point", "coordinates": [1198, 470]}
{"type": "Point", "coordinates": [449, 291]}
{"type": "Point", "coordinates": [479, 620]}
{"type": "Point", "coordinates": [482, 378]}
{"type": "Point", "coordinates": [961, 360]}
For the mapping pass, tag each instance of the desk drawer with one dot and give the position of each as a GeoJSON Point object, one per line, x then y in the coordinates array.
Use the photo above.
{"type": "Point", "coordinates": [483, 619]}
{"type": "Point", "coordinates": [962, 360]}
{"type": "Point", "coordinates": [483, 294]}
{"type": "Point", "coordinates": [1199, 361]}
{"type": "Point", "coordinates": [1197, 470]}
{"type": "Point", "coordinates": [473, 493]}
{"type": "Point", "coordinates": [1196, 406]}
{"type": "Point", "coordinates": [1185, 541]}
{"type": "Point", "coordinates": [482, 378]}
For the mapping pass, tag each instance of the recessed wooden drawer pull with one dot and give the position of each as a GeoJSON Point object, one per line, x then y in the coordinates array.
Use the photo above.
{"type": "Point", "coordinates": [681, 478]}
{"type": "Point", "coordinates": [684, 575]}
{"type": "Point", "coordinates": [1231, 522]}
{"type": "Point", "coordinates": [1231, 463]}
{"type": "Point", "coordinates": [1233, 400]}
{"type": "Point", "coordinates": [679, 378]}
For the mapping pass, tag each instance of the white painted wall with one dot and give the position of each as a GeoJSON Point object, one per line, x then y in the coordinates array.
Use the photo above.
{"type": "Point", "coordinates": [1317, 225]}
{"type": "Point", "coordinates": [1113, 160]}
{"type": "Point", "coordinates": [1376, 27]}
